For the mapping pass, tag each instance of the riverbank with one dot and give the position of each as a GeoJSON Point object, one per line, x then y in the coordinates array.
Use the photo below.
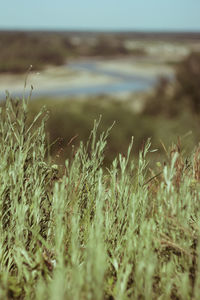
{"type": "Point", "coordinates": [89, 77]}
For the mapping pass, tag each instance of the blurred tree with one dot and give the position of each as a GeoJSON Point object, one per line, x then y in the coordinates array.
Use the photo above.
{"type": "Point", "coordinates": [108, 46]}
{"type": "Point", "coordinates": [188, 81]}
{"type": "Point", "coordinates": [172, 97]}
{"type": "Point", "coordinates": [19, 50]}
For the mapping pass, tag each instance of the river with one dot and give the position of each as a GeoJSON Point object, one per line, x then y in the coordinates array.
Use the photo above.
{"type": "Point", "coordinates": [120, 82]}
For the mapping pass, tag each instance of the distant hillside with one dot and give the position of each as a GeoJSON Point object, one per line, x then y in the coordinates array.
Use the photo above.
{"type": "Point", "coordinates": [20, 49]}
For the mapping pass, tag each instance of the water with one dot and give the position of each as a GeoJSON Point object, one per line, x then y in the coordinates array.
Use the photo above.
{"type": "Point", "coordinates": [122, 83]}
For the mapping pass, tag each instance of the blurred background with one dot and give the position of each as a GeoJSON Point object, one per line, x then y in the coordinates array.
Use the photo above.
{"type": "Point", "coordinates": [133, 62]}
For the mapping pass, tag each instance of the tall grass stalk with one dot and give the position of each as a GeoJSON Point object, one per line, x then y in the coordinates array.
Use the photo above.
{"type": "Point", "coordinates": [94, 233]}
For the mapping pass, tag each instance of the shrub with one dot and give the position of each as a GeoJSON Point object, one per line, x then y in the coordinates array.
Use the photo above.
{"type": "Point", "coordinates": [171, 98]}
{"type": "Point", "coordinates": [20, 50]}
{"type": "Point", "coordinates": [108, 46]}
{"type": "Point", "coordinates": [187, 78]}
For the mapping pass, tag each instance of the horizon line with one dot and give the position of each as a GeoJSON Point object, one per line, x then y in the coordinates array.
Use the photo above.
{"type": "Point", "coordinates": [99, 30]}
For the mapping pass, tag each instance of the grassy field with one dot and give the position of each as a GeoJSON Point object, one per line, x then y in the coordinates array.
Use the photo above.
{"type": "Point", "coordinates": [83, 231]}
{"type": "Point", "coordinates": [70, 121]}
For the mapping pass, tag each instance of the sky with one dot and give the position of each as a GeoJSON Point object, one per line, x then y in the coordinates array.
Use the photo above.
{"type": "Point", "coordinates": [150, 15]}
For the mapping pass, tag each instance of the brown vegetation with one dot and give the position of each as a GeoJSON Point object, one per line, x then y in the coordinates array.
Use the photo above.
{"type": "Point", "coordinates": [173, 97]}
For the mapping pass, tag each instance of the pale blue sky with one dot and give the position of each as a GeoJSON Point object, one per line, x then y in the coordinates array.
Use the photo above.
{"type": "Point", "coordinates": [101, 14]}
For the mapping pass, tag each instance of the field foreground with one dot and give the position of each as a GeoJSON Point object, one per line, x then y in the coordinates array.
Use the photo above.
{"type": "Point", "coordinates": [127, 232]}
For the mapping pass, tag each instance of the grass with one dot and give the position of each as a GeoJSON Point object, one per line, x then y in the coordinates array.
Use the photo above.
{"type": "Point", "coordinates": [125, 232]}
{"type": "Point", "coordinates": [70, 121]}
